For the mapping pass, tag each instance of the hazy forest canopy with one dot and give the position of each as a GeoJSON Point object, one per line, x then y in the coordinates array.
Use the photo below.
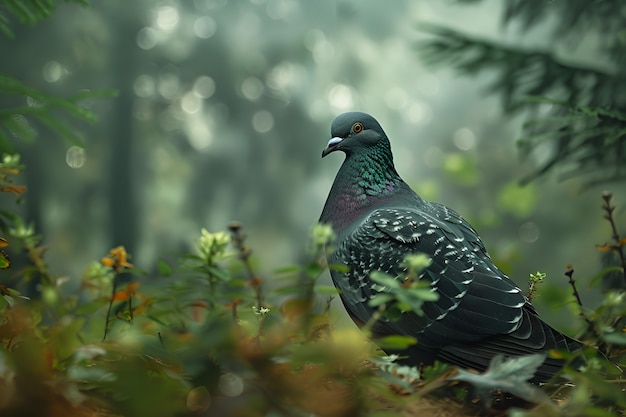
{"type": "Point", "coordinates": [210, 111]}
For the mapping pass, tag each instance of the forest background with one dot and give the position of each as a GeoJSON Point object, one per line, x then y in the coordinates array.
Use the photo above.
{"type": "Point", "coordinates": [212, 111]}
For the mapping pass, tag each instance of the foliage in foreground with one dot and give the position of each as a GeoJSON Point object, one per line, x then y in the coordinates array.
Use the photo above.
{"type": "Point", "coordinates": [211, 337]}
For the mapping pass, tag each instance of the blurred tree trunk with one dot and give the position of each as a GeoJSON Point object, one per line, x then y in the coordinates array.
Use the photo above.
{"type": "Point", "coordinates": [121, 195]}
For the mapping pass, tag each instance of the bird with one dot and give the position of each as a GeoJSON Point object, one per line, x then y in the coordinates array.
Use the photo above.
{"type": "Point", "coordinates": [377, 220]}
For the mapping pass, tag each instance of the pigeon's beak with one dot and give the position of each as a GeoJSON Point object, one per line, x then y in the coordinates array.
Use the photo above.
{"type": "Point", "coordinates": [332, 146]}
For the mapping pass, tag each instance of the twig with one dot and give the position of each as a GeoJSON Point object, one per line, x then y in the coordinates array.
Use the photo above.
{"type": "Point", "coordinates": [234, 312]}
{"type": "Point", "coordinates": [239, 240]}
{"type": "Point", "coordinates": [569, 273]}
{"type": "Point", "coordinates": [329, 300]}
{"type": "Point", "coordinates": [531, 290]}
{"type": "Point", "coordinates": [619, 243]}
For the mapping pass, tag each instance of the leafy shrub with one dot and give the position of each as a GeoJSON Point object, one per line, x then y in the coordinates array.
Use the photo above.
{"type": "Point", "coordinates": [209, 337]}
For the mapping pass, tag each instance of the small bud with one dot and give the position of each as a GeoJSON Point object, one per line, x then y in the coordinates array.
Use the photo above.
{"type": "Point", "coordinates": [213, 245]}
{"type": "Point", "coordinates": [234, 226]}
{"type": "Point", "coordinates": [322, 234]}
{"type": "Point", "coordinates": [538, 277]}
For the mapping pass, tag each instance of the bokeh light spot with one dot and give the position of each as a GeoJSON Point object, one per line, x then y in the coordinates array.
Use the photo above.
{"type": "Point", "coordinates": [52, 71]}
{"type": "Point", "coordinates": [22, 128]}
{"type": "Point", "coordinates": [204, 27]}
{"type": "Point", "coordinates": [282, 76]}
{"type": "Point", "coordinates": [262, 121]}
{"type": "Point", "coordinates": [204, 86]}
{"type": "Point", "coordinates": [147, 38]}
{"type": "Point", "coordinates": [167, 17]}
{"type": "Point", "coordinates": [199, 133]}
{"type": "Point", "coordinates": [144, 86]}
{"type": "Point", "coordinates": [418, 113]}
{"type": "Point", "coordinates": [252, 88]}
{"type": "Point", "coordinates": [169, 85]}
{"type": "Point", "coordinates": [320, 48]}
{"type": "Point", "coordinates": [341, 97]}
{"type": "Point", "coordinates": [529, 232]}
{"type": "Point", "coordinates": [464, 139]}
{"type": "Point", "coordinates": [280, 9]}
{"type": "Point", "coordinates": [75, 157]}
{"type": "Point", "coordinates": [191, 103]}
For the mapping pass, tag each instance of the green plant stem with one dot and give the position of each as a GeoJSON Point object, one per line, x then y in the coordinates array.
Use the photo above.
{"type": "Point", "coordinates": [108, 315]}
{"type": "Point", "coordinates": [378, 314]}
{"type": "Point", "coordinates": [234, 311]}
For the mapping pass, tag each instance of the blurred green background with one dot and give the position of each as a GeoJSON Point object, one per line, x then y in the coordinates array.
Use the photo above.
{"type": "Point", "coordinates": [223, 109]}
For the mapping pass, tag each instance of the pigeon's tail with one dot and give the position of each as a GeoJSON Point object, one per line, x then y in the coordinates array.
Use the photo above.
{"type": "Point", "coordinates": [533, 336]}
{"type": "Point", "coordinates": [479, 356]}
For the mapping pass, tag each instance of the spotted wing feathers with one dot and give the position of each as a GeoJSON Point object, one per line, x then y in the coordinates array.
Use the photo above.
{"type": "Point", "coordinates": [477, 302]}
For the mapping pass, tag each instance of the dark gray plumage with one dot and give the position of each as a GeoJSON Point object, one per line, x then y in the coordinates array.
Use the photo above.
{"type": "Point", "coordinates": [378, 219]}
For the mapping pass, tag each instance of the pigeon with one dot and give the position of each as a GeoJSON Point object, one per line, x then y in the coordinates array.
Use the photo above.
{"type": "Point", "coordinates": [378, 219]}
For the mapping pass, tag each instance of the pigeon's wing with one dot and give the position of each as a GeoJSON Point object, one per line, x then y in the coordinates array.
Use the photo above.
{"type": "Point", "coordinates": [476, 300]}
{"type": "Point", "coordinates": [457, 224]}
{"type": "Point", "coordinates": [480, 312]}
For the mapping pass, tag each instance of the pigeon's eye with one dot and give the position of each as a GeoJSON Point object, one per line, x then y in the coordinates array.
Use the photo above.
{"type": "Point", "coordinates": [357, 127]}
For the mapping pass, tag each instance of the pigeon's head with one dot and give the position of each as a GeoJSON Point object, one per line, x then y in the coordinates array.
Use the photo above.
{"type": "Point", "coordinates": [355, 132]}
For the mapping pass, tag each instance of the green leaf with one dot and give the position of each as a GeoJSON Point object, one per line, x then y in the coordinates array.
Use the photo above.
{"type": "Point", "coordinates": [395, 341]}
{"type": "Point", "coordinates": [424, 294]}
{"type": "Point", "coordinates": [219, 273]}
{"type": "Point", "coordinates": [595, 383]}
{"type": "Point", "coordinates": [615, 338]}
{"type": "Point", "coordinates": [602, 273]}
{"type": "Point", "coordinates": [313, 270]}
{"type": "Point", "coordinates": [10, 300]}
{"type": "Point", "coordinates": [4, 26]}
{"type": "Point", "coordinates": [385, 279]}
{"type": "Point", "coordinates": [380, 299]}
{"type": "Point", "coordinates": [510, 375]}
{"type": "Point", "coordinates": [4, 261]}
{"type": "Point", "coordinates": [164, 268]}
{"type": "Point", "coordinates": [192, 257]}
{"type": "Point", "coordinates": [156, 319]}
{"type": "Point", "coordinates": [344, 269]}
{"type": "Point", "coordinates": [327, 289]}
{"type": "Point", "coordinates": [238, 283]}
{"type": "Point", "coordinates": [290, 269]}
{"type": "Point", "coordinates": [393, 312]}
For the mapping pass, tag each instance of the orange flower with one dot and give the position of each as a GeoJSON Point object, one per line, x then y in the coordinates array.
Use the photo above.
{"type": "Point", "coordinates": [117, 258]}
{"type": "Point", "coordinates": [126, 293]}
